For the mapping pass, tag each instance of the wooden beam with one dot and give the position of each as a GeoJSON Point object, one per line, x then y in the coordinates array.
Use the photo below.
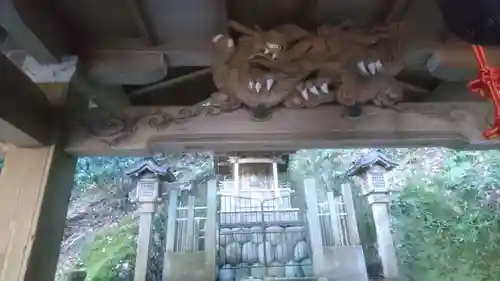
{"type": "Point", "coordinates": [456, 62]}
{"type": "Point", "coordinates": [359, 11]}
{"type": "Point", "coordinates": [454, 92]}
{"type": "Point", "coordinates": [36, 183]}
{"type": "Point", "coordinates": [450, 124]}
{"type": "Point", "coordinates": [424, 19]}
{"type": "Point", "coordinates": [127, 67]}
{"type": "Point", "coordinates": [44, 73]}
{"type": "Point", "coordinates": [25, 113]}
{"type": "Point", "coordinates": [172, 82]}
{"type": "Point", "coordinates": [141, 16]}
{"type": "Point", "coordinates": [178, 21]}
{"type": "Point", "coordinates": [183, 52]}
{"type": "Point", "coordinates": [111, 98]}
{"type": "Point", "coordinates": [90, 83]}
{"type": "Point", "coordinates": [34, 27]}
{"type": "Point", "coordinates": [110, 67]}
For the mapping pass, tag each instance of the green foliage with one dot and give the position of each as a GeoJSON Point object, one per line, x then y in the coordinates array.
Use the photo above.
{"type": "Point", "coordinates": [108, 172]}
{"type": "Point", "coordinates": [326, 166]}
{"type": "Point", "coordinates": [443, 227]}
{"type": "Point", "coordinates": [111, 254]}
{"type": "Point", "coordinates": [100, 172]}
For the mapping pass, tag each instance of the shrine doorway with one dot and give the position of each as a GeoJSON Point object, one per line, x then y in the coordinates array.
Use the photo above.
{"type": "Point", "coordinates": [262, 225]}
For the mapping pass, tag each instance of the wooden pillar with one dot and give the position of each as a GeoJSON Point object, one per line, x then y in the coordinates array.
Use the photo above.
{"type": "Point", "coordinates": [318, 256]}
{"type": "Point", "coordinates": [35, 185]}
{"type": "Point", "coordinates": [352, 224]}
{"type": "Point", "coordinates": [211, 227]}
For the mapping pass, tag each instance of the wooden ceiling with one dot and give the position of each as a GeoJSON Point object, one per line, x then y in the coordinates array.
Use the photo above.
{"type": "Point", "coordinates": [116, 23]}
{"type": "Point", "coordinates": [138, 43]}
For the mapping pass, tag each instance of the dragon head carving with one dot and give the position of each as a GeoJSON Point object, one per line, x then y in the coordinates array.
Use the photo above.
{"type": "Point", "coordinates": [296, 68]}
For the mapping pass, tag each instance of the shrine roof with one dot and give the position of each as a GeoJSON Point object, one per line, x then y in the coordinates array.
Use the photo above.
{"type": "Point", "coordinates": [374, 157]}
{"type": "Point", "coordinates": [150, 166]}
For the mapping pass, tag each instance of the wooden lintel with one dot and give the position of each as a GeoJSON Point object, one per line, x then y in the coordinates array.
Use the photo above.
{"type": "Point", "coordinates": [456, 125]}
{"type": "Point", "coordinates": [25, 113]}
{"type": "Point", "coordinates": [35, 28]}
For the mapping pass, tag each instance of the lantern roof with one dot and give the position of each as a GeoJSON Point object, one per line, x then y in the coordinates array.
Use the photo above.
{"type": "Point", "coordinates": [150, 166]}
{"type": "Point", "coordinates": [374, 157]}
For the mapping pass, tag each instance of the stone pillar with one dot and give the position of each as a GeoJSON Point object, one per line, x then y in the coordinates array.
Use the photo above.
{"type": "Point", "coordinates": [148, 193]}
{"type": "Point", "coordinates": [36, 186]}
{"type": "Point", "coordinates": [174, 189]}
{"type": "Point", "coordinates": [236, 177]}
{"type": "Point", "coordinates": [373, 168]}
{"type": "Point", "coordinates": [318, 256]}
{"type": "Point", "coordinates": [173, 197]}
{"type": "Point", "coordinates": [147, 208]}
{"type": "Point", "coordinates": [211, 228]}
{"type": "Point", "coordinates": [276, 184]}
{"type": "Point", "coordinates": [148, 200]}
{"type": "Point", "coordinates": [379, 201]}
{"type": "Point", "coordinates": [352, 224]}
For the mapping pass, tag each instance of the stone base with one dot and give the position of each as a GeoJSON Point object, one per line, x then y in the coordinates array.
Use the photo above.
{"type": "Point", "coordinates": [345, 263]}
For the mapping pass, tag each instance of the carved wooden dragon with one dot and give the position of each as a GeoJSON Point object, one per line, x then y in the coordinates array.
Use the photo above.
{"type": "Point", "coordinates": [285, 66]}
{"type": "Point", "coordinates": [296, 68]}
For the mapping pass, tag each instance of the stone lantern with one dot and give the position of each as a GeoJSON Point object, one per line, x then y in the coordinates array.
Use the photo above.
{"type": "Point", "coordinates": [149, 176]}
{"type": "Point", "coordinates": [373, 168]}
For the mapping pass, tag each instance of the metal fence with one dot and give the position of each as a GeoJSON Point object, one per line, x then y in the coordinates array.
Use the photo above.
{"type": "Point", "coordinates": [190, 227]}
{"type": "Point", "coordinates": [235, 211]}
{"type": "Point", "coordinates": [264, 237]}
{"type": "Point", "coordinates": [333, 219]}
